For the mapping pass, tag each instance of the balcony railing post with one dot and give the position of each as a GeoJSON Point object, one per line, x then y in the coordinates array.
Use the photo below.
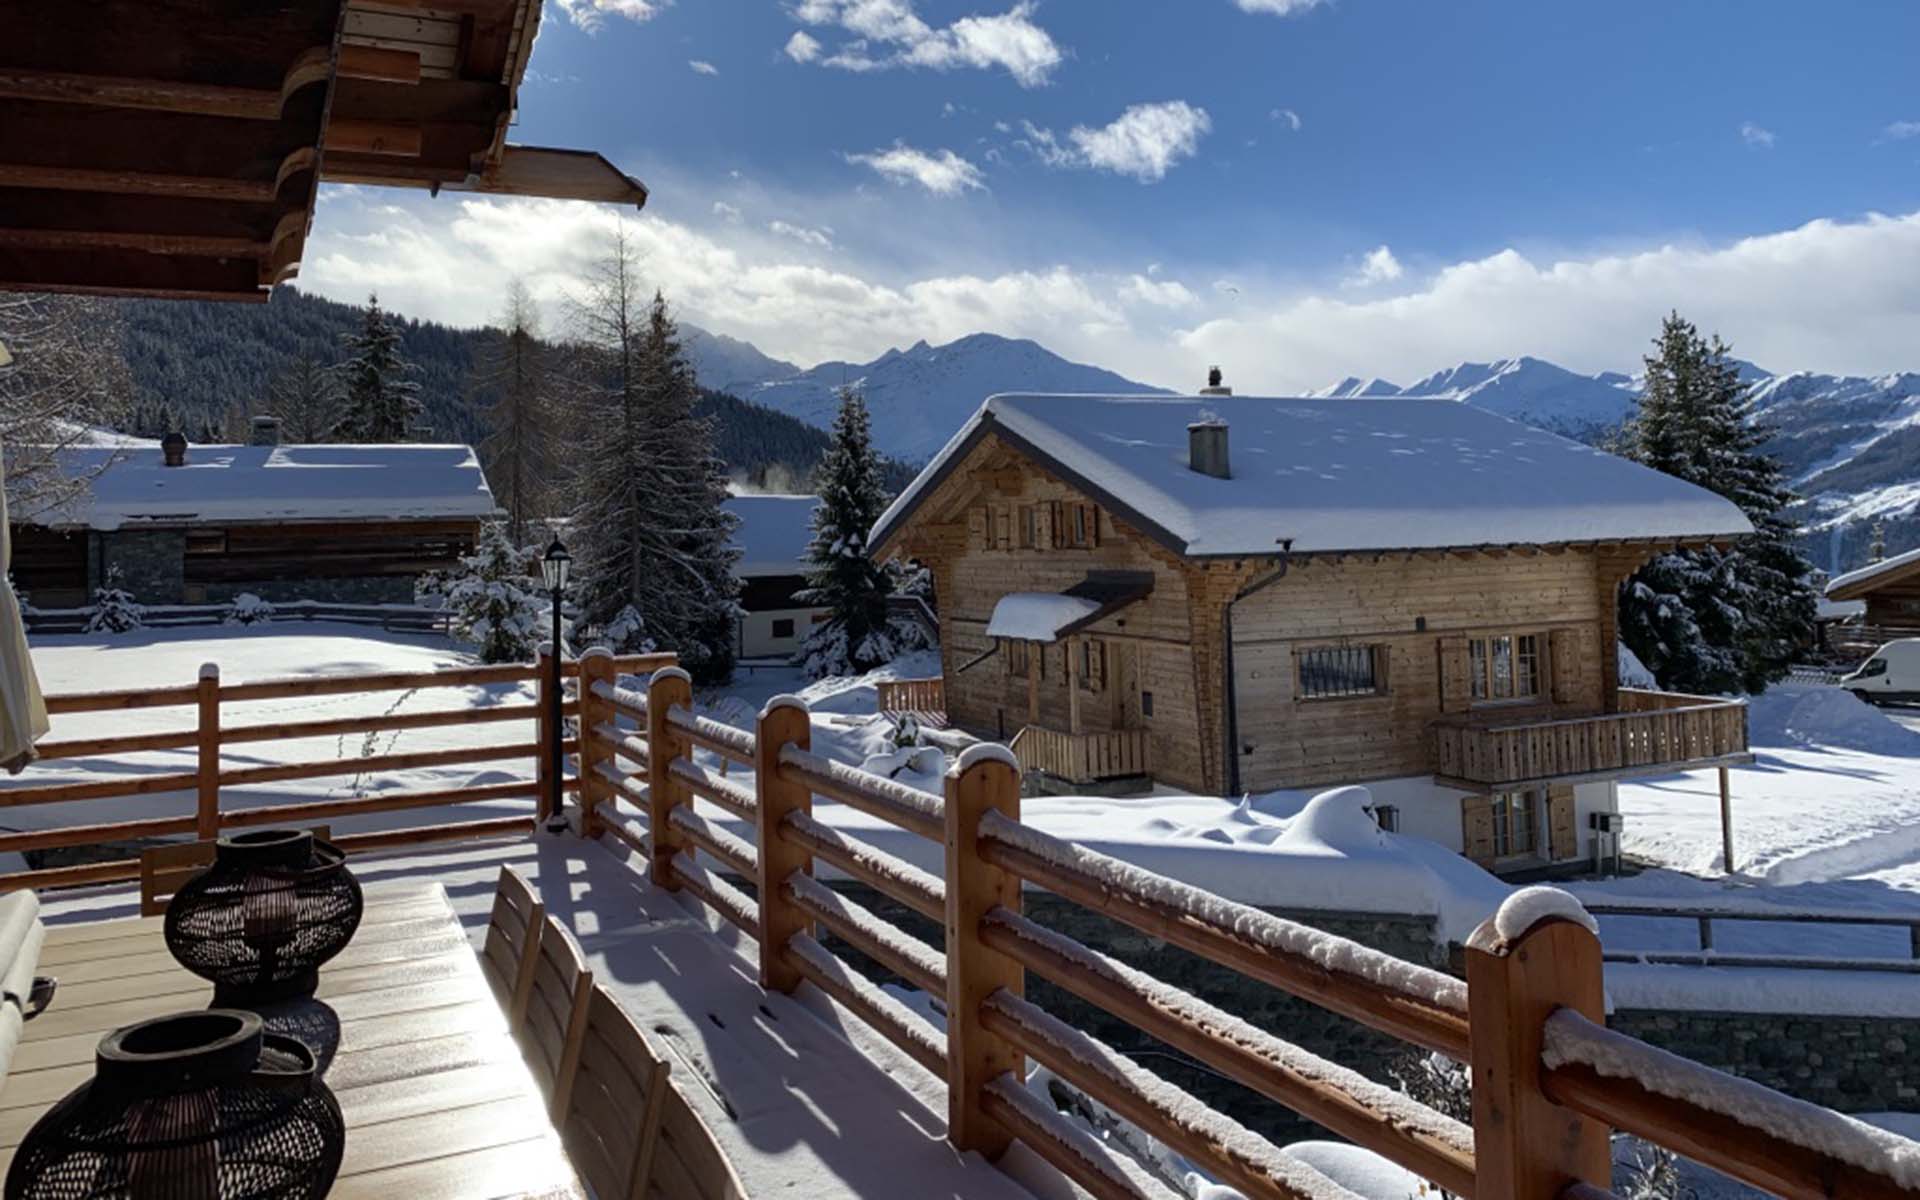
{"type": "Point", "coordinates": [984, 779]}
{"type": "Point", "coordinates": [1525, 1146]}
{"type": "Point", "coordinates": [783, 722]}
{"type": "Point", "coordinates": [207, 811]}
{"type": "Point", "coordinates": [596, 666]}
{"type": "Point", "coordinates": [670, 686]}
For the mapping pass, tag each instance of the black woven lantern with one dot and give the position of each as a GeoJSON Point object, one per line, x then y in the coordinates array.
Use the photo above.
{"type": "Point", "coordinates": [274, 905]}
{"type": "Point", "coordinates": [196, 1106]}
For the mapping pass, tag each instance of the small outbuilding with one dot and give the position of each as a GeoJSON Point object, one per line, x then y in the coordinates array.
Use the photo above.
{"type": "Point", "coordinates": [772, 538]}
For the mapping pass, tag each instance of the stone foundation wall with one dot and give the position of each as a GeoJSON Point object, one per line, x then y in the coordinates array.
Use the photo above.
{"type": "Point", "coordinates": [1853, 1064]}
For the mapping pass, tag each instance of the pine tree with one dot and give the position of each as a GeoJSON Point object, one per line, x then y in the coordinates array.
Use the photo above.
{"type": "Point", "coordinates": [1710, 620]}
{"type": "Point", "coordinates": [306, 396]}
{"type": "Point", "coordinates": [495, 603]}
{"type": "Point", "coordinates": [381, 405]}
{"type": "Point", "coordinates": [518, 450]}
{"type": "Point", "coordinates": [857, 636]}
{"type": "Point", "coordinates": [650, 532]}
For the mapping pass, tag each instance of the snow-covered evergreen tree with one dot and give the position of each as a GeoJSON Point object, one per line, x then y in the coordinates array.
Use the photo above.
{"type": "Point", "coordinates": [1708, 620]}
{"type": "Point", "coordinates": [67, 375]}
{"type": "Point", "coordinates": [380, 404]}
{"type": "Point", "coordinates": [247, 609]}
{"type": "Point", "coordinates": [857, 635]}
{"type": "Point", "coordinates": [649, 530]}
{"type": "Point", "coordinates": [496, 603]}
{"type": "Point", "coordinates": [114, 610]}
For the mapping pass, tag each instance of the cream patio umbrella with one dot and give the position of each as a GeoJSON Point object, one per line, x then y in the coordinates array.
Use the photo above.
{"type": "Point", "coordinates": [23, 714]}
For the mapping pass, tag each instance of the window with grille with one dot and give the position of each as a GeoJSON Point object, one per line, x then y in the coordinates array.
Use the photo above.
{"type": "Point", "coordinates": [1505, 666]}
{"type": "Point", "coordinates": [1328, 671]}
{"type": "Point", "coordinates": [1515, 831]}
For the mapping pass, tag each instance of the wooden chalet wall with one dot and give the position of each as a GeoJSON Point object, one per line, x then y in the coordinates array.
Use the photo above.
{"type": "Point", "coordinates": [1382, 601]}
{"type": "Point", "coordinates": [1147, 644]}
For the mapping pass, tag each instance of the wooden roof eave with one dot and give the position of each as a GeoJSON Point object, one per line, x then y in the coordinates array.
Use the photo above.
{"type": "Point", "coordinates": [522, 171]}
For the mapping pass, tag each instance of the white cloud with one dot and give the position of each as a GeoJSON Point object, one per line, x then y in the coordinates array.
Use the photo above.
{"type": "Point", "coordinates": [803, 47]}
{"type": "Point", "coordinates": [1291, 117]}
{"type": "Point", "coordinates": [1161, 293]}
{"type": "Point", "coordinates": [889, 33]}
{"type": "Point", "coordinates": [1754, 135]}
{"type": "Point", "coordinates": [1379, 266]}
{"type": "Point", "coordinates": [1899, 131]}
{"type": "Point", "coordinates": [941, 172]}
{"type": "Point", "coordinates": [702, 67]}
{"type": "Point", "coordinates": [726, 212]}
{"type": "Point", "coordinates": [1827, 296]}
{"type": "Point", "coordinates": [819, 238]}
{"type": "Point", "coordinates": [1143, 142]}
{"type": "Point", "coordinates": [590, 15]}
{"type": "Point", "coordinates": [1279, 8]}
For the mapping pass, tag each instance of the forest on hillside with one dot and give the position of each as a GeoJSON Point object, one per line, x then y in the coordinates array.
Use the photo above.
{"type": "Point", "coordinates": [207, 368]}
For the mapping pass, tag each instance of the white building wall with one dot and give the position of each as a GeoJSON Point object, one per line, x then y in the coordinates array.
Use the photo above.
{"type": "Point", "coordinates": [757, 636]}
{"type": "Point", "coordinates": [1433, 812]}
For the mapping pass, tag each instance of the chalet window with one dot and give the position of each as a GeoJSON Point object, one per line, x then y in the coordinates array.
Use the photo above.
{"type": "Point", "coordinates": [1146, 704]}
{"type": "Point", "coordinates": [1029, 527]}
{"type": "Point", "coordinates": [1515, 830]}
{"type": "Point", "coordinates": [1505, 667]}
{"type": "Point", "coordinates": [1019, 657]}
{"type": "Point", "coordinates": [1331, 671]}
{"type": "Point", "coordinates": [783, 627]}
{"type": "Point", "coordinates": [1076, 526]}
{"type": "Point", "coordinates": [1092, 665]}
{"type": "Point", "coordinates": [206, 541]}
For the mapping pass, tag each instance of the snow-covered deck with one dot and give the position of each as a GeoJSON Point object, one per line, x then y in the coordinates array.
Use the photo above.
{"type": "Point", "coordinates": [804, 1099]}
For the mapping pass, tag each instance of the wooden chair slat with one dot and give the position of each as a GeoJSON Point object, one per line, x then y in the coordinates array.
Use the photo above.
{"type": "Point", "coordinates": [165, 869]}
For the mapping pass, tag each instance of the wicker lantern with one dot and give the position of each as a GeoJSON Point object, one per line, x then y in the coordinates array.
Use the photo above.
{"type": "Point", "coordinates": [260, 921]}
{"type": "Point", "coordinates": [195, 1106]}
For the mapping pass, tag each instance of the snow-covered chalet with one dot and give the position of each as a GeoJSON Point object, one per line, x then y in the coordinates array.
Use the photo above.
{"type": "Point", "coordinates": [1226, 594]}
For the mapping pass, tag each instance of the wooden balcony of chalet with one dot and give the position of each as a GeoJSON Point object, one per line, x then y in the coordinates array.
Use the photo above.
{"type": "Point", "coordinates": [444, 1097]}
{"type": "Point", "coordinates": [1652, 733]}
{"type": "Point", "coordinates": [1082, 758]}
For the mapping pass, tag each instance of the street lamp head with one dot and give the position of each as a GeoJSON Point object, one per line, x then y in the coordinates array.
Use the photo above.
{"type": "Point", "coordinates": [553, 566]}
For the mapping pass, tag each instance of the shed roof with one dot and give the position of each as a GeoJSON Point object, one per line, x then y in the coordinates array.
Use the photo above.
{"type": "Point", "coordinates": [1332, 475]}
{"type": "Point", "coordinates": [230, 485]}
{"type": "Point", "coordinates": [773, 534]}
{"type": "Point", "coordinates": [1861, 580]}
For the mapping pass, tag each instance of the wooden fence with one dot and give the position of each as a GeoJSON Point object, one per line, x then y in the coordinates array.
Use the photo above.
{"type": "Point", "coordinates": [213, 733]}
{"type": "Point", "coordinates": [1704, 916]}
{"type": "Point", "coordinates": [408, 618]}
{"type": "Point", "coordinates": [913, 695]}
{"type": "Point", "coordinates": [1082, 757]}
{"type": "Point", "coordinates": [1548, 1078]}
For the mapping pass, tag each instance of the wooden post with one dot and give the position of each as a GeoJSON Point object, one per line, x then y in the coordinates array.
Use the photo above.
{"type": "Point", "coordinates": [548, 802]}
{"type": "Point", "coordinates": [208, 729]}
{"type": "Point", "coordinates": [1525, 1146]}
{"type": "Point", "coordinates": [985, 778]}
{"type": "Point", "coordinates": [1726, 819]}
{"type": "Point", "coordinates": [782, 722]}
{"type": "Point", "coordinates": [596, 666]}
{"type": "Point", "coordinates": [669, 686]}
{"type": "Point", "coordinates": [1072, 648]}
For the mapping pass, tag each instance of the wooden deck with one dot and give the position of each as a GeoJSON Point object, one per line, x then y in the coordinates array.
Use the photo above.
{"type": "Point", "coordinates": [1653, 733]}
{"type": "Point", "coordinates": [438, 1102]}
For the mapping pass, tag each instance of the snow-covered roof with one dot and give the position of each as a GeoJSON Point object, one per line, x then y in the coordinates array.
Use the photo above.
{"type": "Point", "coordinates": [1333, 474]}
{"type": "Point", "coordinates": [1050, 616]}
{"type": "Point", "coordinates": [773, 533]}
{"type": "Point", "coordinates": [132, 485]}
{"type": "Point", "coordinates": [1847, 586]}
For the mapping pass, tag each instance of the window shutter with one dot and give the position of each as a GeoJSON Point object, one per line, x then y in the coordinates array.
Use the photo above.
{"type": "Point", "coordinates": [1093, 525]}
{"type": "Point", "coordinates": [1043, 526]}
{"type": "Point", "coordinates": [1456, 678]}
{"type": "Point", "coordinates": [1563, 659]}
{"type": "Point", "coordinates": [1562, 844]}
{"type": "Point", "coordinates": [1476, 829]}
{"type": "Point", "coordinates": [1003, 527]}
{"type": "Point", "coordinates": [977, 533]}
{"type": "Point", "coordinates": [1096, 665]}
{"type": "Point", "coordinates": [1058, 526]}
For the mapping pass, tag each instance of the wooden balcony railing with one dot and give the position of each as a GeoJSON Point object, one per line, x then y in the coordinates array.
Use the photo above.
{"type": "Point", "coordinates": [913, 696]}
{"type": "Point", "coordinates": [1082, 757]}
{"type": "Point", "coordinates": [1548, 1078]}
{"type": "Point", "coordinates": [1652, 733]}
{"type": "Point", "coordinates": [205, 782]}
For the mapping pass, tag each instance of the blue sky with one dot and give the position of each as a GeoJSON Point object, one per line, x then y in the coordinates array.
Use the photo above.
{"type": "Point", "coordinates": [1299, 189]}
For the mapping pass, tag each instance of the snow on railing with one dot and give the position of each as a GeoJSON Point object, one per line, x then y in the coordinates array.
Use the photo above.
{"type": "Point", "coordinates": [1533, 977]}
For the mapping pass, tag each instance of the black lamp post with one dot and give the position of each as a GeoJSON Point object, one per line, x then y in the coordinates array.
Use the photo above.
{"type": "Point", "coordinates": [553, 571]}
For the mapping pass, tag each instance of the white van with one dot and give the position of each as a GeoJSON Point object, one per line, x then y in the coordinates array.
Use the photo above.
{"type": "Point", "coordinates": [1892, 674]}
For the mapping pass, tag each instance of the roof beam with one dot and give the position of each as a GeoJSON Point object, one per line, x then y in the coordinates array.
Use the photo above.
{"type": "Point", "coordinates": [170, 95]}
{"type": "Point", "coordinates": [137, 183]}
{"type": "Point", "coordinates": [186, 245]}
{"type": "Point", "coordinates": [379, 64]}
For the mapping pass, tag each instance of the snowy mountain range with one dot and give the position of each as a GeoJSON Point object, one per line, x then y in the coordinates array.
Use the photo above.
{"type": "Point", "coordinates": [1851, 444]}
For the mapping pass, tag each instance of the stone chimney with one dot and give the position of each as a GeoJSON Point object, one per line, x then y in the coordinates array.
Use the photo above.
{"type": "Point", "coordinates": [174, 449]}
{"type": "Point", "coordinates": [266, 431]}
{"type": "Point", "coordinates": [1207, 447]}
{"type": "Point", "coordinates": [1214, 386]}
